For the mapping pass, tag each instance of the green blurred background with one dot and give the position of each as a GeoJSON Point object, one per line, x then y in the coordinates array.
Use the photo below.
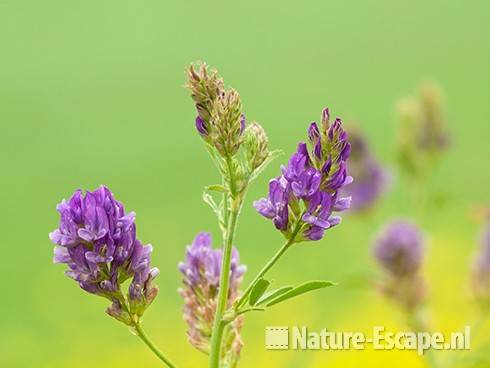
{"type": "Point", "coordinates": [91, 93]}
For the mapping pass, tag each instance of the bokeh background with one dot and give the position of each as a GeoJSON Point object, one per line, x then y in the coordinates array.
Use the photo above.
{"type": "Point", "coordinates": [92, 93]}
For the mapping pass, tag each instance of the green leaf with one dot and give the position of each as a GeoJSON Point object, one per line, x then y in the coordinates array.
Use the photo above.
{"type": "Point", "coordinates": [299, 290]}
{"type": "Point", "coordinates": [258, 290]}
{"type": "Point", "coordinates": [216, 188]}
{"type": "Point", "coordinates": [273, 294]}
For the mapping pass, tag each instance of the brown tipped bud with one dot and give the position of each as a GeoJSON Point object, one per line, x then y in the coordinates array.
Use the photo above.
{"type": "Point", "coordinates": [256, 146]}
{"type": "Point", "coordinates": [326, 118]}
{"type": "Point", "coordinates": [205, 86]}
{"type": "Point", "coordinates": [117, 311]}
{"type": "Point", "coordinates": [227, 123]}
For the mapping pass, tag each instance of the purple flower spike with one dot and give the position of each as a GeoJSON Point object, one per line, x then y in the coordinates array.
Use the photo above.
{"type": "Point", "coordinates": [201, 276]}
{"type": "Point", "coordinates": [309, 187]}
{"type": "Point", "coordinates": [97, 240]}
{"type": "Point", "coordinates": [371, 178]}
{"type": "Point", "coordinates": [400, 248]}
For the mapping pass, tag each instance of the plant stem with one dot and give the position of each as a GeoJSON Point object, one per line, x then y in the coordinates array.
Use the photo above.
{"type": "Point", "coordinates": [231, 178]}
{"type": "Point", "coordinates": [416, 322]}
{"type": "Point", "coordinates": [219, 324]}
{"type": "Point", "coordinates": [269, 264]}
{"type": "Point", "coordinates": [141, 334]}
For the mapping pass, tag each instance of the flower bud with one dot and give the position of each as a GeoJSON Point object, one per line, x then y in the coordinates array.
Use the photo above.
{"type": "Point", "coordinates": [313, 133]}
{"type": "Point", "coordinates": [116, 311]}
{"type": "Point", "coordinates": [255, 143]}
{"type": "Point", "coordinates": [205, 86]}
{"type": "Point", "coordinates": [325, 119]}
{"type": "Point", "coordinates": [202, 127]}
{"type": "Point", "coordinates": [227, 123]}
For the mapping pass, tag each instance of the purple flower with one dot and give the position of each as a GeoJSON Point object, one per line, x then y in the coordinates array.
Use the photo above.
{"type": "Point", "coordinates": [304, 179]}
{"type": "Point", "coordinates": [201, 270]}
{"type": "Point", "coordinates": [275, 206]}
{"type": "Point", "coordinates": [481, 271]}
{"type": "Point", "coordinates": [307, 193]}
{"type": "Point", "coordinates": [97, 241]}
{"type": "Point", "coordinates": [400, 248]}
{"type": "Point", "coordinates": [371, 179]}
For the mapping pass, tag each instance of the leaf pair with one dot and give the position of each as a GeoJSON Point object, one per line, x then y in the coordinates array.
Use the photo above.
{"type": "Point", "coordinates": [259, 297]}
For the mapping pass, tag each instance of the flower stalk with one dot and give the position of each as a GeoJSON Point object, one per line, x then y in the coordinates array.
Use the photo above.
{"type": "Point", "coordinates": [219, 323]}
{"type": "Point", "coordinates": [301, 203]}
{"type": "Point", "coordinates": [97, 241]}
{"type": "Point", "coordinates": [275, 258]}
{"type": "Point", "coordinates": [142, 335]}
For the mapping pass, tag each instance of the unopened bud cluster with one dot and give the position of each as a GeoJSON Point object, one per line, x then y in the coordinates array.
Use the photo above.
{"type": "Point", "coordinates": [423, 133]}
{"type": "Point", "coordinates": [227, 123]}
{"type": "Point", "coordinates": [256, 143]}
{"type": "Point", "coordinates": [221, 123]}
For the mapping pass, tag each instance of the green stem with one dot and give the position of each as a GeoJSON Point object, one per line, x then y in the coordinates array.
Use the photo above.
{"type": "Point", "coordinates": [231, 178]}
{"type": "Point", "coordinates": [419, 325]}
{"type": "Point", "coordinates": [219, 324]}
{"type": "Point", "coordinates": [141, 334]}
{"type": "Point", "coordinates": [270, 264]}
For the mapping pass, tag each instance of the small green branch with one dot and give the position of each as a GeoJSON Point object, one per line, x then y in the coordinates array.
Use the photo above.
{"type": "Point", "coordinates": [136, 325]}
{"type": "Point", "coordinates": [141, 334]}
{"type": "Point", "coordinates": [270, 264]}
